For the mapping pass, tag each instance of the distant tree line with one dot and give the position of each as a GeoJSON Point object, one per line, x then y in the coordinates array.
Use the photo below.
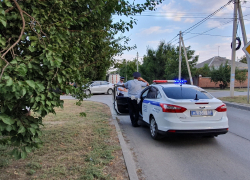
{"type": "Point", "coordinates": [163, 63]}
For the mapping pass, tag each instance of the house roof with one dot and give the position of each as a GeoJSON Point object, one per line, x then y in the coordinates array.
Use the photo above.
{"type": "Point", "coordinates": [216, 61]}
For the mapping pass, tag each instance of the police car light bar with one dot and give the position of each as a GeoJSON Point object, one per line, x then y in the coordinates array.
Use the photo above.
{"type": "Point", "coordinates": [163, 81]}
{"type": "Point", "coordinates": [169, 81]}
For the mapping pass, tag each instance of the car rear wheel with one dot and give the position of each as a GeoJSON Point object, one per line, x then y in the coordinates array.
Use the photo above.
{"type": "Point", "coordinates": [154, 129]}
{"type": "Point", "coordinates": [110, 91]}
{"type": "Point", "coordinates": [87, 92]}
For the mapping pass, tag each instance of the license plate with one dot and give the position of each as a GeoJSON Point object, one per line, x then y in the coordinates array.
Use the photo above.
{"type": "Point", "coordinates": [202, 113]}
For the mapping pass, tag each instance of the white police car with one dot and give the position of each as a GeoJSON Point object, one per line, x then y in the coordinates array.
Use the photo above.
{"type": "Point", "coordinates": [170, 107]}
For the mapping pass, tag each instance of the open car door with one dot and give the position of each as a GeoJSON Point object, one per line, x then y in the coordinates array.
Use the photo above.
{"type": "Point", "coordinates": [120, 102]}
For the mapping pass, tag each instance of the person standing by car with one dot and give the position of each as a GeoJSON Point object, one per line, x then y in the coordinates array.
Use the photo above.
{"type": "Point", "coordinates": [134, 90]}
{"type": "Point", "coordinates": [121, 90]}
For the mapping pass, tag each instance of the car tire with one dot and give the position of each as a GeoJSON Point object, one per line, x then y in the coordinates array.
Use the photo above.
{"type": "Point", "coordinates": [87, 92]}
{"type": "Point", "coordinates": [110, 91]}
{"type": "Point", "coordinates": [154, 129]}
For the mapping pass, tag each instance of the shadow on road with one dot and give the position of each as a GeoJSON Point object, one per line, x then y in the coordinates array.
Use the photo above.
{"type": "Point", "coordinates": [178, 141]}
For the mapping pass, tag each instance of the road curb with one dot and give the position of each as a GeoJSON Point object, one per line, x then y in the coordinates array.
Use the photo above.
{"type": "Point", "coordinates": [237, 105]}
{"type": "Point", "coordinates": [128, 158]}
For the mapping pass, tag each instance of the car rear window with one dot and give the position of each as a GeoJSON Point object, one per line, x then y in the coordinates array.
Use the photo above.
{"type": "Point", "coordinates": [186, 93]}
{"type": "Point", "coordinates": [104, 83]}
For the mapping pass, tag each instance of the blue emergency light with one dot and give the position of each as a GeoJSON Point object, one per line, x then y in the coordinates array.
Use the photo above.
{"type": "Point", "coordinates": [180, 81]}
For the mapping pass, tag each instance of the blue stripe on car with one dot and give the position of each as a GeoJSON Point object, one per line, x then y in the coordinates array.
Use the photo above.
{"type": "Point", "coordinates": [151, 102]}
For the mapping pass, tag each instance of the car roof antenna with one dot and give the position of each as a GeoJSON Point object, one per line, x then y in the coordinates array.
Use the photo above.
{"type": "Point", "coordinates": [196, 96]}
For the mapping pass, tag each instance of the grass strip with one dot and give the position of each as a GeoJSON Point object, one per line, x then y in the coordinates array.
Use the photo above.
{"type": "Point", "coordinates": [235, 99]}
{"type": "Point", "coordinates": [75, 147]}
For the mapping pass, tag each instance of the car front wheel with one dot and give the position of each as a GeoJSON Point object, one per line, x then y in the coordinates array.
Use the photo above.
{"type": "Point", "coordinates": [87, 92]}
{"type": "Point", "coordinates": [110, 91]}
{"type": "Point", "coordinates": [154, 129]}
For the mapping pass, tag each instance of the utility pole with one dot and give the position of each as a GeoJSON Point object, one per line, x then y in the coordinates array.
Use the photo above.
{"type": "Point", "coordinates": [137, 62]}
{"type": "Point", "coordinates": [126, 70]}
{"type": "Point", "coordinates": [245, 42]}
{"type": "Point", "coordinates": [232, 79]}
{"type": "Point", "coordinates": [185, 53]}
{"type": "Point", "coordinates": [180, 56]}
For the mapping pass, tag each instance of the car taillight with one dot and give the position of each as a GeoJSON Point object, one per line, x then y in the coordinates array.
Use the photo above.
{"type": "Point", "coordinates": [169, 108]}
{"type": "Point", "coordinates": [222, 108]}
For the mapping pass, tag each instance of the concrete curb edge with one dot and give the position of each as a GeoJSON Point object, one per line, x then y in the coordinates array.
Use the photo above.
{"type": "Point", "coordinates": [128, 158]}
{"type": "Point", "coordinates": [236, 105]}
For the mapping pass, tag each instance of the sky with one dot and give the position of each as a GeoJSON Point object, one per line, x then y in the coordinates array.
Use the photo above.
{"type": "Point", "coordinates": [173, 16]}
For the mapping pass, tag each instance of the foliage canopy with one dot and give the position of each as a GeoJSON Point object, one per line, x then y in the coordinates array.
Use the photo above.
{"type": "Point", "coordinates": [221, 75]}
{"type": "Point", "coordinates": [44, 45]}
{"type": "Point", "coordinates": [163, 63]}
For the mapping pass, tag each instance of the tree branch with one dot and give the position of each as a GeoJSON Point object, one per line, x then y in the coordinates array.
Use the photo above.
{"type": "Point", "coordinates": [8, 10]}
{"type": "Point", "coordinates": [2, 57]}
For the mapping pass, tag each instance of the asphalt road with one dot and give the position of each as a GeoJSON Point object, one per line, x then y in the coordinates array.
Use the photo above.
{"type": "Point", "coordinates": [190, 158]}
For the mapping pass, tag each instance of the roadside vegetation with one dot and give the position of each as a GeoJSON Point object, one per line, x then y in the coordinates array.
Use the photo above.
{"type": "Point", "coordinates": [74, 147]}
{"type": "Point", "coordinates": [236, 99]}
{"type": "Point", "coordinates": [227, 89]}
{"type": "Point", "coordinates": [47, 45]}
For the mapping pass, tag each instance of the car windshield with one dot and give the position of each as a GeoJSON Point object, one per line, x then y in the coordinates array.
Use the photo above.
{"type": "Point", "coordinates": [181, 92]}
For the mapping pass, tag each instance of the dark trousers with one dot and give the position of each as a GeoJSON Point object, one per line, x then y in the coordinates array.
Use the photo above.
{"type": "Point", "coordinates": [120, 94]}
{"type": "Point", "coordinates": [133, 111]}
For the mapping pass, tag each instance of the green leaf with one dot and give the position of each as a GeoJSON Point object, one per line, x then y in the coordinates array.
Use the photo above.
{"type": "Point", "coordinates": [2, 11]}
{"type": "Point", "coordinates": [16, 153]}
{"type": "Point", "coordinates": [38, 140]}
{"type": "Point", "coordinates": [47, 102]}
{"type": "Point", "coordinates": [3, 41]}
{"type": "Point", "coordinates": [6, 119]}
{"type": "Point", "coordinates": [40, 87]}
{"type": "Point", "coordinates": [9, 82]}
{"type": "Point", "coordinates": [28, 149]}
{"type": "Point", "coordinates": [23, 91]}
{"type": "Point", "coordinates": [14, 61]}
{"type": "Point", "coordinates": [33, 38]}
{"type": "Point", "coordinates": [39, 145]}
{"type": "Point", "coordinates": [31, 83]}
{"type": "Point", "coordinates": [33, 43]}
{"type": "Point", "coordinates": [23, 154]}
{"type": "Point", "coordinates": [21, 130]}
{"type": "Point", "coordinates": [37, 99]}
{"type": "Point", "coordinates": [83, 114]}
{"type": "Point", "coordinates": [7, 2]}
{"type": "Point", "coordinates": [32, 49]}
{"type": "Point", "coordinates": [33, 131]}
{"type": "Point", "coordinates": [22, 69]}
{"type": "Point", "coordinates": [43, 97]}
{"type": "Point", "coordinates": [34, 125]}
{"type": "Point", "coordinates": [3, 20]}
{"type": "Point", "coordinates": [59, 79]}
{"type": "Point", "coordinates": [8, 128]}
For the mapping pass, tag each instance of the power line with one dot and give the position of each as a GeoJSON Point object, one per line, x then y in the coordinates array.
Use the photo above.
{"type": "Point", "coordinates": [205, 19]}
{"type": "Point", "coordinates": [172, 39]}
{"type": "Point", "coordinates": [209, 30]}
{"type": "Point", "coordinates": [209, 34]}
{"type": "Point", "coordinates": [180, 16]}
{"type": "Point", "coordinates": [214, 28]}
